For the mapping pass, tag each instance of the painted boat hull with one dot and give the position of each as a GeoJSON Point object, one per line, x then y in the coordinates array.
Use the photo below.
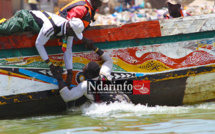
{"type": "Point", "coordinates": [177, 56]}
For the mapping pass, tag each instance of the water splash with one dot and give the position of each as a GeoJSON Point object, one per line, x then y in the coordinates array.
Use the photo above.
{"type": "Point", "coordinates": [127, 109]}
{"type": "Point", "coordinates": [210, 105]}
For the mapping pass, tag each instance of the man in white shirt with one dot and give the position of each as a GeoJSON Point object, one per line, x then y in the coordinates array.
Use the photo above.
{"type": "Point", "coordinates": [67, 30]}
{"type": "Point", "coordinates": [94, 72]}
{"type": "Point", "coordinates": [47, 25]}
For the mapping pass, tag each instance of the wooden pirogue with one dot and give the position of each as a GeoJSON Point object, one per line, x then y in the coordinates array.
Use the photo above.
{"type": "Point", "coordinates": [177, 56]}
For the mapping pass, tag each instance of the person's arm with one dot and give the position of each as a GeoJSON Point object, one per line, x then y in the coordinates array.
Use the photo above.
{"type": "Point", "coordinates": [106, 67]}
{"type": "Point", "coordinates": [77, 12]}
{"type": "Point", "coordinates": [41, 40]}
{"type": "Point", "coordinates": [75, 93]}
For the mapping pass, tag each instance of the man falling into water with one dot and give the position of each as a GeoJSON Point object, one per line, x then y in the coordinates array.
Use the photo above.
{"type": "Point", "coordinates": [92, 71]}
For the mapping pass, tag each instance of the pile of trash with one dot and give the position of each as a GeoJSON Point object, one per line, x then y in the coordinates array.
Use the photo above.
{"type": "Point", "coordinates": [134, 14]}
{"type": "Point", "coordinates": [203, 8]}
{"type": "Point", "coordinates": [129, 16]}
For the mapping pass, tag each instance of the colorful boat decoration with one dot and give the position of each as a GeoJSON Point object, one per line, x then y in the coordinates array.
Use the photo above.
{"type": "Point", "coordinates": [177, 56]}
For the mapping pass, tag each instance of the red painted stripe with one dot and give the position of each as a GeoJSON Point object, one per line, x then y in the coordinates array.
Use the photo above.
{"type": "Point", "coordinates": [126, 32]}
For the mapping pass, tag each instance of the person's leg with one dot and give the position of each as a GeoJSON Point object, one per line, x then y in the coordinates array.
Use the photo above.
{"type": "Point", "coordinates": [68, 61]}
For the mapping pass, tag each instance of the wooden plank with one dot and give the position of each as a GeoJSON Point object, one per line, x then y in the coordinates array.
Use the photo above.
{"type": "Point", "coordinates": [190, 24]}
{"type": "Point", "coordinates": [126, 32]}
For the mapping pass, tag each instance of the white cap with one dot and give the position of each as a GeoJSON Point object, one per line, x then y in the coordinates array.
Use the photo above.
{"type": "Point", "coordinates": [78, 27]}
{"type": "Point", "coordinates": [104, 1]}
{"type": "Point", "coordinates": [174, 2]}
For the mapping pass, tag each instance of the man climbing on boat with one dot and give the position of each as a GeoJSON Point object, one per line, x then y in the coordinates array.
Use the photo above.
{"type": "Point", "coordinates": [175, 10]}
{"type": "Point", "coordinates": [48, 25]}
{"type": "Point", "coordinates": [92, 71]}
{"type": "Point", "coordinates": [84, 10]}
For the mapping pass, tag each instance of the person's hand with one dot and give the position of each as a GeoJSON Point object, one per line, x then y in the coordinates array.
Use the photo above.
{"type": "Point", "coordinates": [89, 44]}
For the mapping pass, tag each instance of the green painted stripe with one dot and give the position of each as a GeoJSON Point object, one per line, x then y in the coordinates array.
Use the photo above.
{"type": "Point", "coordinates": [118, 68]}
{"type": "Point", "coordinates": [78, 66]}
{"type": "Point", "coordinates": [8, 53]}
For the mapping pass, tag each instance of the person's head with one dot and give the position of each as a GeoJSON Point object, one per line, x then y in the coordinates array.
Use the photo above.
{"type": "Point", "coordinates": [97, 3]}
{"type": "Point", "coordinates": [91, 70]}
{"type": "Point", "coordinates": [174, 8]}
{"type": "Point", "coordinates": [75, 27]}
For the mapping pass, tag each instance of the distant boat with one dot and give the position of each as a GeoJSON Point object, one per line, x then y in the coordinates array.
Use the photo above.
{"type": "Point", "coordinates": [176, 57]}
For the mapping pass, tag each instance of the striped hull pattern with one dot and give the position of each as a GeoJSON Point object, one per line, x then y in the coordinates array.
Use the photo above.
{"type": "Point", "coordinates": [180, 87]}
{"type": "Point", "coordinates": [138, 59]}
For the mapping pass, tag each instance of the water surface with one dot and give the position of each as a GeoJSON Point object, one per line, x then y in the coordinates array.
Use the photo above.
{"type": "Point", "coordinates": [120, 118]}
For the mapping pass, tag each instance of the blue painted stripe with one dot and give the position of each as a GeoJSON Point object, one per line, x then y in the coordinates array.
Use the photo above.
{"type": "Point", "coordinates": [39, 76]}
{"type": "Point", "coordinates": [139, 74]}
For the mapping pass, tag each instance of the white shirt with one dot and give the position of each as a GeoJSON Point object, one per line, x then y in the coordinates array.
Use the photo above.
{"type": "Point", "coordinates": [47, 31]}
{"type": "Point", "coordinates": [81, 89]}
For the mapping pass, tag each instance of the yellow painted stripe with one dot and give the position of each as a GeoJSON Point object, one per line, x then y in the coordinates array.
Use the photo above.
{"type": "Point", "coordinates": [80, 60]}
{"type": "Point", "coordinates": [146, 67]}
{"type": "Point", "coordinates": [14, 74]}
{"type": "Point", "coordinates": [14, 60]}
{"type": "Point", "coordinates": [34, 59]}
